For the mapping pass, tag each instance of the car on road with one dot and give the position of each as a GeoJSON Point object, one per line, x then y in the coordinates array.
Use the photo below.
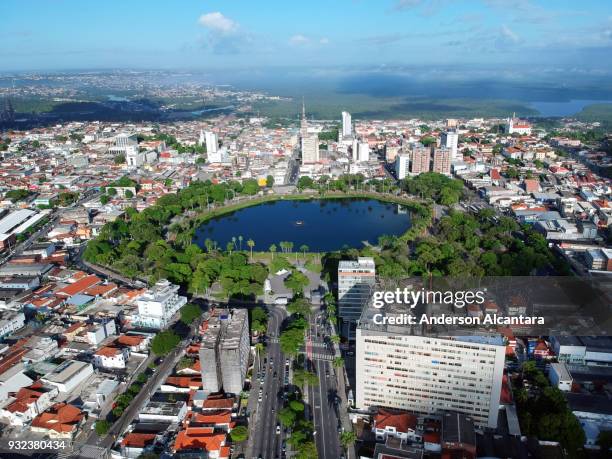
{"type": "Point", "coordinates": [278, 429]}
{"type": "Point", "coordinates": [260, 398]}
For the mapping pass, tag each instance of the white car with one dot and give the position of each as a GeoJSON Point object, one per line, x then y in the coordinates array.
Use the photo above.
{"type": "Point", "coordinates": [277, 429]}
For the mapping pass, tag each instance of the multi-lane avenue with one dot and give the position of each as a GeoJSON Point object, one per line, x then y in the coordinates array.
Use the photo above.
{"type": "Point", "coordinates": [267, 443]}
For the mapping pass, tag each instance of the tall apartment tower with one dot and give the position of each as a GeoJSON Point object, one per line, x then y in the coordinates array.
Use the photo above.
{"type": "Point", "coordinates": [310, 149]}
{"type": "Point", "coordinates": [363, 152]}
{"type": "Point", "coordinates": [355, 281]}
{"type": "Point", "coordinates": [347, 127]}
{"type": "Point", "coordinates": [426, 375]}
{"type": "Point", "coordinates": [450, 139]}
{"type": "Point", "coordinates": [442, 160]}
{"type": "Point", "coordinates": [224, 351]}
{"type": "Point", "coordinates": [421, 158]}
{"type": "Point", "coordinates": [401, 166]}
{"type": "Point", "coordinates": [212, 143]}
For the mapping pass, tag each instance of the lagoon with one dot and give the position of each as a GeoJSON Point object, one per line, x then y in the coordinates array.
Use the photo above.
{"type": "Point", "coordinates": [321, 224]}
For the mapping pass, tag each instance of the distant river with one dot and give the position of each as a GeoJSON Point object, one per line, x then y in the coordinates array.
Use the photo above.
{"type": "Point", "coordinates": [322, 225]}
{"type": "Point", "coordinates": [567, 108]}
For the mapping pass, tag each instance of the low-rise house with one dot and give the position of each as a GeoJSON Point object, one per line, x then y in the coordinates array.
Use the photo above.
{"type": "Point", "coordinates": [61, 421]}
{"type": "Point", "coordinates": [197, 439]}
{"type": "Point", "coordinates": [22, 406]}
{"type": "Point", "coordinates": [399, 424]}
{"type": "Point", "coordinates": [111, 357]}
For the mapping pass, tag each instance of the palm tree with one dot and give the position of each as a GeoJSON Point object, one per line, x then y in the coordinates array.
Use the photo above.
{"type": "Point", "coordinates": [229, 246]}
{"type": "Point", "coordinates": [240, 241]}
{"type": "Point", "coordinates": [234, 240]}
{"type": "Point", "coordinates": [304, 248]}
{"type": "Point", "coordinates": [338, 362]}
{"type": "Point", "coordinates": [251, 244]}
{"type": "Point", "coordinates": [272, 250]}
{"type": "Point", "coordinates": [335, 339]}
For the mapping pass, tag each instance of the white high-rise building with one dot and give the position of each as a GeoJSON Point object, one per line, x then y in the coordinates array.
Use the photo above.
{"type": "Point", "coordinates": [310, 149]}
{"type": "Point", "coordinates": [158, 305]}
{"type": "Point", "coordinates": [450, 140]}
{"type": "Point", "coordinates": [212, 143]}
{"type": "Point", "coordinates": [401, 166]}
{"type": "Point", "coordinates": [224, 351]}
{"type": "Point", "coordinates": [426, 375]}
{"type": "Point", "coordinates": [202, 138]}
{"type": "Point", "coordinates": [355, 281]}
{"type": "Point", "coordinates": [363, 152]}
{"type": "Point", "coordinates": [347, 127]}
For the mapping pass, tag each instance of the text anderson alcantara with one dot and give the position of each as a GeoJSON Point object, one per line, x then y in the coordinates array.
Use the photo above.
{"type": "Point", "coordinates": [459, 299]}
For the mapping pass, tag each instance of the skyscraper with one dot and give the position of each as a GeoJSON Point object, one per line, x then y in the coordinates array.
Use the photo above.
{"type": "Point", "coordinates": [363, 150]}
{"type": "Point", "coordinates": [355, 280]}
{"type": "Point", "coordinates": [347, 127]}
{"type": "Point", "coordinates": [442, 161]}
{"type": "Point", "coordinates": [212, 144]}
{"type": "Point", "coordinates": [303, 121]}
{"type": "Point", "coordinates": [421, 157]}
{"type": "Point", "coordinates": [401, 166]}
{"type": "Point", "coordinates": [224, 351]}
{"type": "Point", "coordinates": [450, 139]}
{"type": "Point", "coordinates": [310, 149]}
{"type": "Point", "coordinates": [425, 375]}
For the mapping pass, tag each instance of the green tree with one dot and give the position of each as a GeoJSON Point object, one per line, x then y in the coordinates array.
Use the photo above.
{"type": "Point", "coordinates": [272, 250]}
{"type": "Point", "coordinates": [164, 342]}
{"type": "Point", "coordinates": [119, 159]}
{"type": "Point", "coordinates": [251, 244]}
{"type": "Point", "coordinates": [269, 181]}
{"type": "Point", "coordinates": [128, 194]}
{"type": "Point", "coordinates": [335, 339]}
{"type": "Point", "coordinates": [239, 434]}
{"type": "Point", "coordinates": [111, 191]}
{"type": "Point", "coordinates": [304, 248]}
{"type": "Point", "coordinates": [287, 417]}
{"type": "Point", "coordinates": [250, 187]}
{"type": "Point", "coordinates": [347, 438]}
{"type": "Point", "coordinates": [302, 377]}
{"type": "Point", "coordinates": [338, 362]}
{"type": "Point", "coordinates": [296, 281]}
{"type": "Point", "coordinates": [189, 313]}
{"type": "Point", "coordinates": [104, 199]}
{"type": "Point", "coordinates": [307, 450]}
{"type": "Point", "coordinates": [296, 406]}
{"type": "Point", "coordinates": [102, 427]}
{"type": "Point", "coordinates": [299, 306]}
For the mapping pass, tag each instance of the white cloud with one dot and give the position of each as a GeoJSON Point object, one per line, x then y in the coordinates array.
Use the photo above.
{"type": "Point", "coordinates": [508, 35]}
{"type": "Point", "coordinates": [324, 41]}
{"type": "Point", "coordinates": [217, 22]}
{"type": "Point", "coordinates": [299, 39]}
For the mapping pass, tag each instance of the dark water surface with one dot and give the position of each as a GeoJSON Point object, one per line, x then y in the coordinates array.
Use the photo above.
{"type": "Point", "coordinates": [322, 225]}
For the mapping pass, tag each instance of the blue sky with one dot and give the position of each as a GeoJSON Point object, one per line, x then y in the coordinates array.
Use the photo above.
{"type": "Point", "coordinates": [213, 34]}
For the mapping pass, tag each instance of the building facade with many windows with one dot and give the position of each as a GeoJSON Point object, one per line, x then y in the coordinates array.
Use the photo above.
{"type": "Point", "coordinates": [426, 375]}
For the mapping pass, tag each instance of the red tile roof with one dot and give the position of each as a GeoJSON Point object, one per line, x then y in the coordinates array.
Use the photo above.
{"type": "Point", "coordinates": [138, 440]}
{"type": "Point", "coordinates": [401, 420]}
{"type": "Point", "coordinates": [79, 286]}
{"type": "Point", "coordinates": [61, 417]}
{"type": "Point", "coordinates": [199, 438]}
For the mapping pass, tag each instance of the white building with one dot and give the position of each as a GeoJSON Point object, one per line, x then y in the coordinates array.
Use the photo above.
{"type": "Point", "coordinates": [355, 280]}
{"type": "Point", "coordinates": [560, 376]}
{"type": "Point", "coordinates": [69, 375]}
{"type": "Point", "coordinates": [11, 321]}
{"type": "Point", "coordinates": [426, 375]}
{"type": "Point", "coordinates": [363, 152]}
{"type": "Point", "coordinates": [111, 357]}
{"type": "Point", "coordinates": [100, 331]}
{"type": "Point", "coordinates": [158, 305]}
{"type": "Point", "coordinates": [310, 149]}
{"type": "Point", "coordinates": [27, 403]}
{"type": "Point", "coordinates": [212, 143]}
{"type": "Point", "coordinates": [450, 140]}
{"type": "Point", "coordinates": [347, 127]}
{"type": "Point", "coordinates": [515, 125]}
{"type": "Point", "coordinates": [583, 350]}
{"type": "Point", "coordinates": [401, 166]}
